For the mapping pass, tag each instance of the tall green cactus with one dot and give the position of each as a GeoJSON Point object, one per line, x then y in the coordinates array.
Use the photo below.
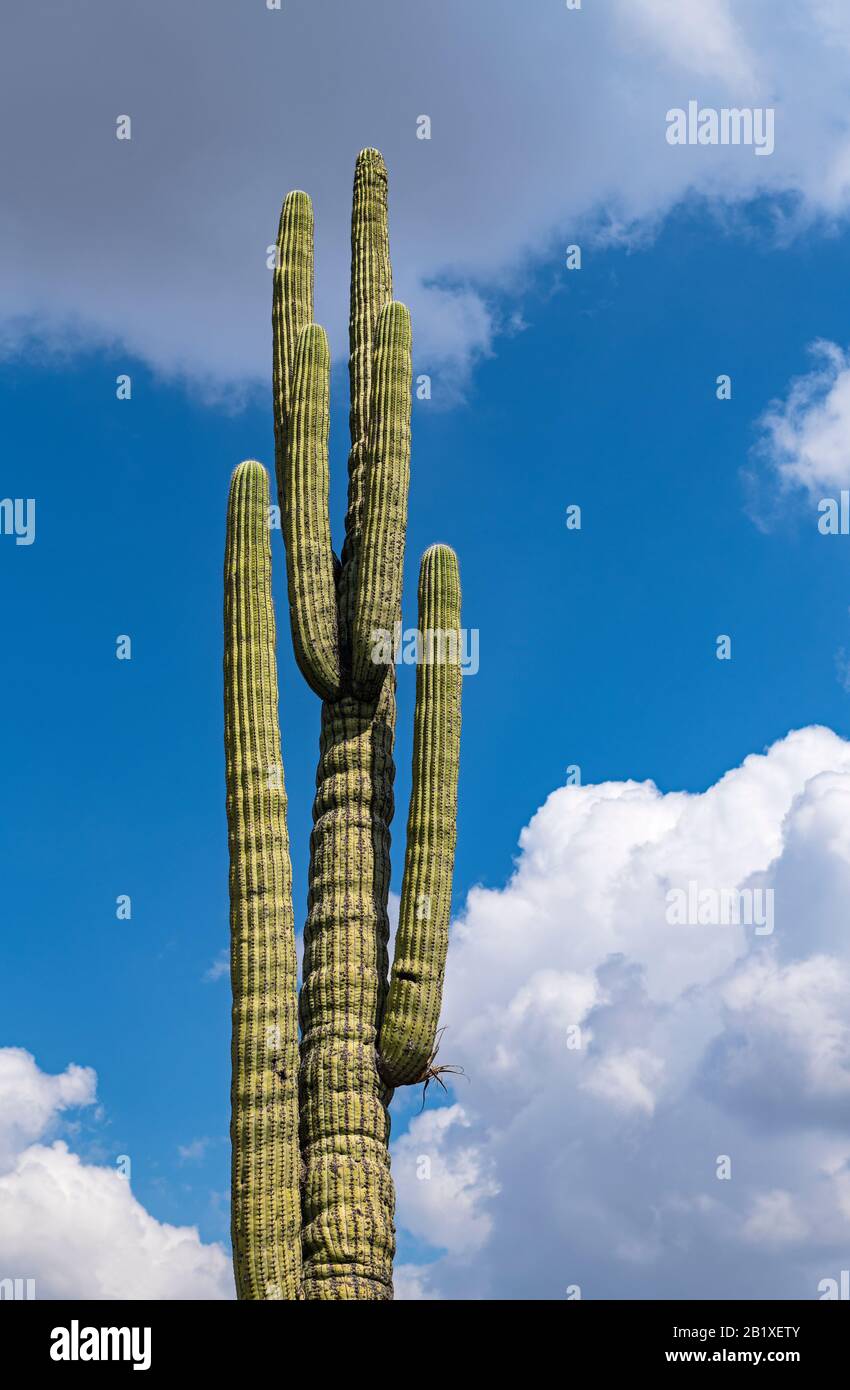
{"type": "Point", "coordinates": [361, 1034]}
{"type": "Point", "coordinates": [266, 1215]}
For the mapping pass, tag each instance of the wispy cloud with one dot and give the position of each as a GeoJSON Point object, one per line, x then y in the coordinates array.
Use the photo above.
{"type": "Point", "coordinates": [219, 968]}
{"type": "Point", "coordinates": [193, 1152]}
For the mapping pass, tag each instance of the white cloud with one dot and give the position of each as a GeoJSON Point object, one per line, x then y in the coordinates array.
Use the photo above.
{"type": "Point", "coordinates": [546, 124]}
{"type": "Point", "coordinates": [804, 437]}
{"type": "Point", "coordinates": [31, 1101]}
{"type": "Point", "coordinates": [701, 37]}
{"type": "Point", "coordinates": [598, 1164]}
{"type": "Point", "coordinates": [626, 1079]}
{"type": "Point", "coordinates": [454, 328]}
{"type": "Point", "coordinates": [773, 1220]}
{"type": "Point", "coordinates": [411, 1284]}
{"type": "Point", "coordinates": [786, 1048]}
{"type": "Point", "coordinates": [444, 1188]}
{"type": "Point", "coordinates": [75, 1227]}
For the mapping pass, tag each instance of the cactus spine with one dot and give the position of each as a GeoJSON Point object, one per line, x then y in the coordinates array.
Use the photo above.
{"type": "Point", "coordinates": [361, 1034]}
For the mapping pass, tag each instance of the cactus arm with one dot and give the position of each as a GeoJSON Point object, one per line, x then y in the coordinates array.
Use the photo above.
{"type": "Point", "coordinates": [380, 565]}
{"type": "Point", "coordinates": [265, 1197]}
{"type": "Point", "coordinates": [305, 522]}
{"type": "Point", "coordinates": [292, 307]}
{"type": "Point", "coordinates": [408, 1031]}
{"type": "Point", "coordinates": [371, 289]}
{"type": "Point", "coordinates": [371, 280]}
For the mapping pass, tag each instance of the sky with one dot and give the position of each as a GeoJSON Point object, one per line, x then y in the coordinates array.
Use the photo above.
{"type": "Point", "coordinates": [616, 1064]}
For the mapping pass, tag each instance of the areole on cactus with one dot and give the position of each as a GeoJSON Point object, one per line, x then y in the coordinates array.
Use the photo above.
{"type": "Point", "coordinates": [312, 1194]}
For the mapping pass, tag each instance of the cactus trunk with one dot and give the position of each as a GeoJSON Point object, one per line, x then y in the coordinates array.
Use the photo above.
{"type": "Point", "coordinates": [348, 1194]}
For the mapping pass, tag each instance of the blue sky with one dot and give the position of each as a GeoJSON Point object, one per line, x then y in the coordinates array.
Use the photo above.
{"type": "Point", "coordinates": [597, 647]}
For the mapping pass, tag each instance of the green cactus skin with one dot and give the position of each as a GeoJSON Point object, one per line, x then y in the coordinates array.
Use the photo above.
{"type": "Point", "coordinates": [292, 303]}
{"type": "Point", "coordinates": [371, 291]}
{"type": "Point", "coordinates": [265, 1200]}
{"type": "Point", "coordinates": [301, 385]}
{"type": "Point", "coordinates": [304, 512]}
{"type": "Point", "coordinates": [409, 1027]}
{"type": "Point", "coordinates": [347, 1198]}
{"type": "Point", "coordinates": [380, 562]}
{"type": "Point", "coordinates": [357, 1041]}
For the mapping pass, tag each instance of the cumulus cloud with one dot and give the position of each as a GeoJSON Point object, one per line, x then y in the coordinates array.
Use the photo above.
{"type": "Point", "coordinates": [784, 1054]}
{"type": "Point", "coordinates": [31, 1101]}
{"type": "Point", "coordinates": [75, 1227]}
{"type": "Point", "coordinates": [803, 436]}
{"type": "Point", "coordinates": [442, 1184]}
{"type": "Point", "coordinates": [546, 124]}
{"type": "Point", "coordinates": [620, 1066]}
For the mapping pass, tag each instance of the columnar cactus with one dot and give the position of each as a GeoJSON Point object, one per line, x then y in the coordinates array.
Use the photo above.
{"type": "Point", "coordinates": [266, 1207]}
{"type": "Point", "coordinates": [361, 1034]}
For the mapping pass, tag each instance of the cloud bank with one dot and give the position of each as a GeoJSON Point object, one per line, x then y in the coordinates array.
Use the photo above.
{"type": "Point", "coordinates": [653, 1110]}
{"type": "Point", "coordinates": [547, 125]}
{"type": "Point", "coordinates": [75, 1227]}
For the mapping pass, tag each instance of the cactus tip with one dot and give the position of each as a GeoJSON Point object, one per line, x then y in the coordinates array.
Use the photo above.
{"type": "Point", "coordinates": [439, 548]}
{"type": "Point", "coordinates": [314, 333]}
{"type": "Point", "coordinates": [248, 466]}
{"type": "Point", "coordinates": [371, 161]}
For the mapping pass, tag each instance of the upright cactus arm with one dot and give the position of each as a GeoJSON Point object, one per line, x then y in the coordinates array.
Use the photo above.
{"type": "Point", "coordinates": [301, 370]}
{"type": "Point", "coordinates": [310, 562]}
{"type": "Point", "coordinates": [371, 279]}
{"type": "Point", "coordinates": [371, 289]}
{"type": "Point", "coordinates": [380, 564]}
{"type": "Point", "coordinates": [407, 1037]}
{"type": "Point", "coordinates": [292, 305]}
{"type": "Point", "coordinates": [265, 1197]}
